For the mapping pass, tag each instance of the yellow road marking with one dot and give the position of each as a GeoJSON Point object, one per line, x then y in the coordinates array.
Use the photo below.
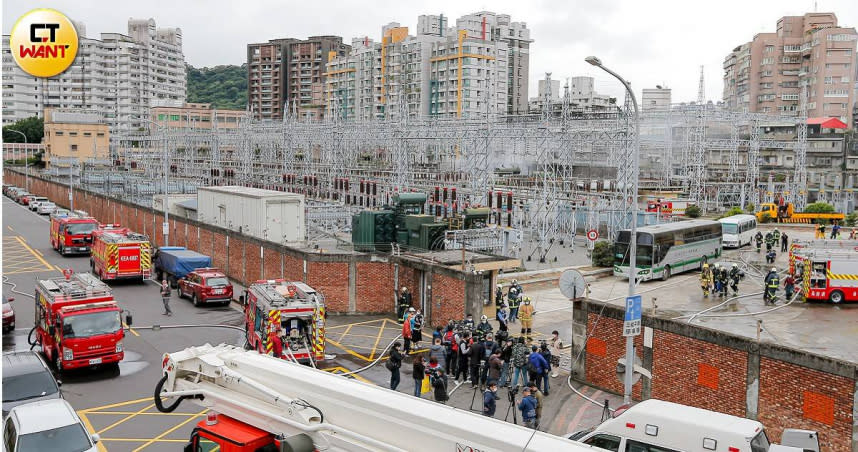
{"type": "Point", "coordinates": [344, 370]}
{"type": "Point", "coordinates": [58, 268]}
{"type": "Point", "coordinates": [10, 228]}
{"type": "Point", "coordinates": [153, 413]}
{"type": "Point", "coordinates": [114, 405]}
{"type": "Point", "coordinates": [131, 329]}
{"type": "Point", "coordinates": [377, 339]}
{"type": "Point", "coordinates": [89, 427]}
{"type": "Point", "coordinates": [39, 252]}
{"type": "Point", "coordinates": [141, 440]}
{"type": "Point", "coordinates": [122, 421]}
{"type": "Point", "coordinates": [347, 350]}
{"type": "Point", "coordinates": [355, 323]}
{"type": "Point", "coordinates": [42, 260]}
{"type": "Point", "coordinates": [170, 430]}
{"type": "Point", "coordinates": [345, 332]}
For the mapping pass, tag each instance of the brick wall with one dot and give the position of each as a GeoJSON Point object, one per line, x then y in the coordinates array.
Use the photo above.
{"type": "Point", "coordinates": [332, 280]}
{"type": "Point", "coordinates": [329, 274]}
{"type": "Point", "coordinates": [374, 286]}
{"type": "Point", "coordinates": [602, 354]}
{"type": "Point", "coordinates": [781, 387]}
{"type": "Point", "coordinates": [823, 402]}
{"type": "Point", "coordinates": [448, 299]}
{"type": "Point", "coordinates": [684, 368]}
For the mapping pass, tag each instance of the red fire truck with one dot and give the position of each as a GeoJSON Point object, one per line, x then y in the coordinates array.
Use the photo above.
{"type": "Point", "coordinates": [78, 322]}
{"type": "Point", "coordinates": [119, 253]}
{"type": "Point", "coordinates": [72, 233]}
{"type": "Point", "coordinates": [667, 207]}
{"type": "Point", "coordinates": [299, 311]}
{"type": "Point", "coordinates": [799, 248]}
{"type": "Point", "coordinates": [829, 275]}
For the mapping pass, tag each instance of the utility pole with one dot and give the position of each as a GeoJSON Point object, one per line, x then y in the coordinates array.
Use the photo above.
{"type": "Point", "coordinates": [633, 179]}
{"type": "Point", "coordinates": [26, 159]}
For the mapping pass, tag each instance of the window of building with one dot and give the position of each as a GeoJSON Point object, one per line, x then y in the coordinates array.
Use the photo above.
{"type": "Point", "coordinates": [74, 147]}
{"type": "Point", "coordinates": [72, 134]}
{"type": "Point", "coordinates": [59, 133]}
{"type": "Point", "coordinates": [87, 134]}
{"type": "Point", "coordinates": [100, 134]}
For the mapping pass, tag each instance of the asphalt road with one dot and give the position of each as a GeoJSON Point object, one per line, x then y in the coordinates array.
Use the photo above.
{"type": "Point", "coordinates": [120, 408]}
{"type": "Point", "coordinates": [28, 256]}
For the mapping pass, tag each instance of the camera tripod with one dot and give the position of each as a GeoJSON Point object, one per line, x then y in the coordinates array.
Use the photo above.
{"type": "Point", "coordinates": [511, 392]}
{"type": "Point", "coordinates": [477, 388]}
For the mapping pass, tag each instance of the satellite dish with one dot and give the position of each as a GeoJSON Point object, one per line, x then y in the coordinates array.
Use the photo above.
{"type": "Point", "coordinates": [572, 284]}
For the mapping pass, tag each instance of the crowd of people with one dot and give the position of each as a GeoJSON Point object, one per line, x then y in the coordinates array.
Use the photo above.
{"type": "Point", "coordinates": [474, 353]}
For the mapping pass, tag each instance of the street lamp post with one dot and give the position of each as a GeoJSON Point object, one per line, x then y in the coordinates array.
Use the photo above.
{"type": "Point", "coordinates": [630, 345]}
{"type": "Point", "coordinates": [26, 159]}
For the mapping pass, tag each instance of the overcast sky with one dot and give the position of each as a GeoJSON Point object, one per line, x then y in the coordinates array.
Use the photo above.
{"type": "Point", "coordinates": [648, 42]}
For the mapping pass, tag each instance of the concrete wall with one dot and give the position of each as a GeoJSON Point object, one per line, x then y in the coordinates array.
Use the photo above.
{"type": "Point", "coordinates": [779, 386]}
{"type": "Point", "coordinates": [351, 283]}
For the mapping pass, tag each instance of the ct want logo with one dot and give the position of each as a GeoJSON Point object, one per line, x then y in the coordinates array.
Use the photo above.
{"type": "Point", "coordinates": [44, 42]}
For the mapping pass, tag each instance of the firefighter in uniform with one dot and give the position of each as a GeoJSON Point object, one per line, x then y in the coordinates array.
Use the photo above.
{"type": "Point", "coordinates": [734, 279]}
{"type": "Point", "coordinates": [404, 304]}
{"type": "Point", "coordinates": [498, 299]}
{"type": "Point", "coordinates": [706, 280]}
{"type": "Point", "coordinates": [776, 235]}
{"type": "Point", "coordinates": [772, 282]}
{"type": "Point", "coordinates": [526, 318]}
{"type": "Point", "coordinates": [716, 280]}
{"type": "Point", "coordinates": [513, 301]}
{"type": "Point", "coordinates": [759, 239]}
{"type": "Point", "coordinates": [770, 240]}
{"type": "Point", "coordinates": [723, 279]}
{"type": "Point", "coordinates": [275, 341]}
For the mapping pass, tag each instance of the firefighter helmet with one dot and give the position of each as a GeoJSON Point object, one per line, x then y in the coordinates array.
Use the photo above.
{"type": "Point", "coordinates": [774, 269]}
{"type": "Point", "coordinates": [705, 265]}
{"type": "Point", "coordinates": [484, 319]}
{"type": "Point", "coordinates": [404, 289]}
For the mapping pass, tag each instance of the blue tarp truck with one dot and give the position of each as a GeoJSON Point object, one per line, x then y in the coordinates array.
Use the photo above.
{"type": "Point", "coordinates": [174, 262]}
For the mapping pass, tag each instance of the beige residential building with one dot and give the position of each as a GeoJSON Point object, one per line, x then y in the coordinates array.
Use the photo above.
{"type": "Point", "coordinates": [197, 116]}
{"type": "Point", "coordinates": [766, 75]}
{"type": "Point", "coordinates": [78, 134]}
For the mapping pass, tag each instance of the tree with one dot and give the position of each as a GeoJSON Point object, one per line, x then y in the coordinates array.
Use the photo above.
{"type": "Point", "coordinates": [819, 207]}
{"type": "Point", "coordinates": [750, 207]}
{"type": "Point", "coordinates": [225, 87]}
{"type": "Point", "coordinates": [603, 254]}
{"type": "Point", "coordinates": [693, 211]}
{"type": "Point", "coordinates": [33, 127]}
{"type": "Point", "coordinates": [852, 219]}
{"type": "Point", "coordinates": [735, 210]}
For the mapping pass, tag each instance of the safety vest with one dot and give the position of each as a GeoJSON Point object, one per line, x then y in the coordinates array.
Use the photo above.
{"type": "Point", "coordinates": [774, 283]}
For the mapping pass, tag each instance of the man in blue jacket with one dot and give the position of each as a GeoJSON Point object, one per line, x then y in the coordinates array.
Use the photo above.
{"type": "Point", "coordinates": [528, 408]}
{"type": "Point", "coordinates": [537, 366]}
{"type": "Point", "coordinates": [490, 400]}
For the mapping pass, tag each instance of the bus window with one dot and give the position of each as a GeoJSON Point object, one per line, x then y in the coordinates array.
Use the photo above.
{"type": "Point", "coordinates": [603, 441]}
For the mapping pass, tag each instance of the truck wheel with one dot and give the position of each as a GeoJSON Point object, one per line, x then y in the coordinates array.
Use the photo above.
{"type": "Point", "coordinates": [836, 297]}
{"type": "Point", "coordinates": [62, 250]}
{"type": "Point", "coordinates": [58, 362]}
{"type": "Point", "coordinates": [174, 283]}
{"type": "Point", "coordinates": [195, 300]}
{"type": "Point", "coordinates": [666, 274]}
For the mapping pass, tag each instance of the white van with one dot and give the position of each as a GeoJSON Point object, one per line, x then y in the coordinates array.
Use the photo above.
{"type": "Point", "coordinates": [659, 426]}
{"type": "Point", "coordinates": [738, 230]}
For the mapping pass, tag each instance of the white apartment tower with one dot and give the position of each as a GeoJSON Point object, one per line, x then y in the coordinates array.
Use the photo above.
{"type": "Point", "coordinates": [121, 76]}
{"type": "Point", "coordinates": [458, 71]}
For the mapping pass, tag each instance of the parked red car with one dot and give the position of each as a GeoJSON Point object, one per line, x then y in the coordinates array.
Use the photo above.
{"type": "Point", "coordinates": [206, 285]}
{"type": "Point", "coordinates": [8, 314]}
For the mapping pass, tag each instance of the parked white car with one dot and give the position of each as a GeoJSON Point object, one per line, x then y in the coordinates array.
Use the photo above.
{"type": "Point", "coordinates": [46, 208]}
{"type": "Point", "coordinates": [46, 426]}
{"type": "Point", "coordinates": [35, 201]}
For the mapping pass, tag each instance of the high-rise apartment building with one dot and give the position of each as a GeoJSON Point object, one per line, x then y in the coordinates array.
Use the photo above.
{"type": "Point", "coordinates": [120, 76]}
{"type": "Point", "coordinates": [767, 74]}
{"type": "Point", "coordinates": [290, 73]}
{"type": "Point", "coordinates": [442, 71]}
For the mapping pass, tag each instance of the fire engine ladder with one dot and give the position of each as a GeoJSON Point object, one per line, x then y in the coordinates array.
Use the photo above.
{"type": "Point", "coordinates": [79, 286]}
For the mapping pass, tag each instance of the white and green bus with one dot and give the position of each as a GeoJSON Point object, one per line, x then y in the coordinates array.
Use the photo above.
{"type": "Point", "coordinates": [667, 249]}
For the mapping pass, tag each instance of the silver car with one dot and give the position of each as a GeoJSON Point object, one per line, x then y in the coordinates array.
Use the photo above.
{"type": "Point", "coordinates": [46, 208]}
{"type": "Point", "coordinates": [47, 426]}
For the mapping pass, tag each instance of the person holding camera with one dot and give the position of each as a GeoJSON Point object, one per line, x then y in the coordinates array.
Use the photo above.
{"type": "Point", "coordinates": [394, 362]}
{"type": "Point", "coordinates": [506, 358]}
{"type": "Point", "coordinates": [537, 367]}
{"type": "Point", "coordinates": [519, 362]}
{"type": "Point", "coordinates": [546, 353]}
{"type": "Point", "coordinates": [495, 365]}
{"type": "Point", "coordinates": [477, 360]}
{"type": "Point", "coordinates": [527, 406]}
{"type": "Point", "coordinates": [490, 400]}
{"type": "Point", "coordinates": [418, 372]}
{"type": "Point", "coordinates": [438, 380]}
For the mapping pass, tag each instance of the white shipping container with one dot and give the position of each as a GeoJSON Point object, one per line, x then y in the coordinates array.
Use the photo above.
{"type": "Point", "coordinates": [266, 214]}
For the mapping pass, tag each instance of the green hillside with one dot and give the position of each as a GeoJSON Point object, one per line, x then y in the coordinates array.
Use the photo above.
{"type": "Point", "coordinates": [224, 87]}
